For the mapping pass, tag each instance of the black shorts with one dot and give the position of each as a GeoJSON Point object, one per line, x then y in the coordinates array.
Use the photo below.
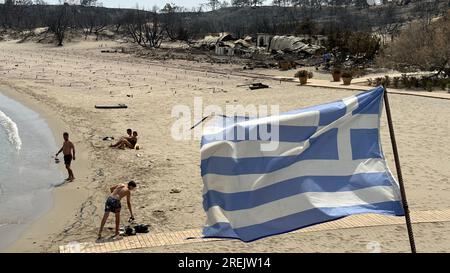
{"type": "Point", "coordinates": [67, 159]}
{"type": "Point", "coordinates": [112, 205]}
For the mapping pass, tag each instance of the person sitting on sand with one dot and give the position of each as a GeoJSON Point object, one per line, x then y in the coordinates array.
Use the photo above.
{"type": "Point", "coordinates": [113, 204]}
{"type": "Point", "coordinates": [68, 148]}
{"type": "Point", "coordinates": [126, 142]}
{"type": "Point", "coordinates": [129, 134]}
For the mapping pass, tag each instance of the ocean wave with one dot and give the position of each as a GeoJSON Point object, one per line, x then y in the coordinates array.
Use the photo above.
{"type": "Point", "coordinates": [11, 130]}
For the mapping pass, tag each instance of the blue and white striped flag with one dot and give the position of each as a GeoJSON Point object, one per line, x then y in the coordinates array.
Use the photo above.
{"type": "Point", "coordinates": [328, 164]}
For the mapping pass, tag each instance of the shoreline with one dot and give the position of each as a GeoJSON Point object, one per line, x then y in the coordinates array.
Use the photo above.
{"type": "Point", "coordinates": [66, 198]}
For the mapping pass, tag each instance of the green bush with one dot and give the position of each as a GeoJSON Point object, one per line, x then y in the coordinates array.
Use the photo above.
{"type": "Point", "coordinates": [347, 74]}
{"type": "Point", "coordinates": [429, 86]}
{"type": "Point", "coordinates": [336, 70]}
{"type": "Point", "coordinates": [409, 82]}
{"type": "Point", "coordinates": [395, 82]}
{"type": "Point", "coordinates": [301, 73]}
{"type": "Point", "coordinates": [387, 81]}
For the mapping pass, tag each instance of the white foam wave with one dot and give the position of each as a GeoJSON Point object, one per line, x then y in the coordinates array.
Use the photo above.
{"type": "Point", "coordinates": [11, 130]}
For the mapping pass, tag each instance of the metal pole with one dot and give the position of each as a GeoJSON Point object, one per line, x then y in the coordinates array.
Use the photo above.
{"type": "Point", "coordinates": [399, 173]}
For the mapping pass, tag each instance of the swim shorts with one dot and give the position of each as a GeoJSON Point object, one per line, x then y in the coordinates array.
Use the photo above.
{"type": "Point", "coordinates": [67, 159]}
{"type": "Point", "coordinates": [112, 205]}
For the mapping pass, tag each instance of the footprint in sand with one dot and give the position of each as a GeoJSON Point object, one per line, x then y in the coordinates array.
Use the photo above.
{"type": "Point", "coordinates": [159, 214]}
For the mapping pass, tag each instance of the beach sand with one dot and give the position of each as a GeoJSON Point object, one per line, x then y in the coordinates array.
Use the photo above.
{"type": "Point", "coordinates": [65, 83]}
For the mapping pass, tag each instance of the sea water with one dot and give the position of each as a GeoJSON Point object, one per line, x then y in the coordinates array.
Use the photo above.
{"type": "Point", "coordinates": [27, 170]}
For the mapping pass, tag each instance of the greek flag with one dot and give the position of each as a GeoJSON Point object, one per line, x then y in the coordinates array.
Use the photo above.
{"type": "Point", "coordinates": [327, 164]}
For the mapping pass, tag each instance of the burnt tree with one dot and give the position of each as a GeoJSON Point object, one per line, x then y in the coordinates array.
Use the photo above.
{"type": "Point", "coordinates": [145, 28]}
{"type": "Point", "coordinates": [58, 21]}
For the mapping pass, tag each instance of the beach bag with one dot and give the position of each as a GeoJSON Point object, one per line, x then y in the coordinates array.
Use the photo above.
{"type": "Point", "coordinates": [141, 228]}
{"type": "Point", "coordinates": [129, 231]}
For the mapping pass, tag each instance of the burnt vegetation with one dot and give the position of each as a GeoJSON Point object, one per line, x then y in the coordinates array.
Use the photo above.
{"type": "Point", "coordinates": [353, 27]}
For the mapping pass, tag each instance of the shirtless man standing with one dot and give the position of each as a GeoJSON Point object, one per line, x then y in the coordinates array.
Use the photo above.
{"type": "Point", "coordinates": [113, 204]}
{"type": "Point", "coordinates": [68, 148]}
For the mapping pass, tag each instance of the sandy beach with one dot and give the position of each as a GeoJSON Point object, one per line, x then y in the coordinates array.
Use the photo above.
{"type": "Point", "coordinates": [64, 83]}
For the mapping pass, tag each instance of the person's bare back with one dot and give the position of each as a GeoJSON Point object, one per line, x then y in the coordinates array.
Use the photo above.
{"type": "Point", "coordinates": [113, 205]}
{"type": "Point", "coordinates": [120, 191]}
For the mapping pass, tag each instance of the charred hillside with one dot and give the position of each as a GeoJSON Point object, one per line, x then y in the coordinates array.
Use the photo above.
{"type": "Point", "coordinates": [239, 21]}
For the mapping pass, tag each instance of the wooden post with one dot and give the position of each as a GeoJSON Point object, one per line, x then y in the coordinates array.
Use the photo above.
{"type": "Point", "coordinates": [399, 173]}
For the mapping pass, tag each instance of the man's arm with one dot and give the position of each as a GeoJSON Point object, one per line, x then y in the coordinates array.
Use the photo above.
{"type": "Point", "coordinates": [60, 150]}
{"type": "Point", "coordinates": [113, 188]}
{"type": "Point", "coordinates": [129, 204]}
{"type": "Point", "coordinates": [73, 151]}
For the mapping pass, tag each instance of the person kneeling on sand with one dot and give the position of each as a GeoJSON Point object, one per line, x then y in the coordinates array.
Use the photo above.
{"type": "Point", "coordinates": [113, 204]}
{"type": "Point", "coordinates": [126, 142]}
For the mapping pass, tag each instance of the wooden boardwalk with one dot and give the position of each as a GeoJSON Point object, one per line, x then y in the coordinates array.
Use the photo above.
{"type": "Point", "coordinates": [360, 85]}
{"type": "Point", "coordinates": [357, 86]}
{"type": "Point", "coordinates": [194, 235]}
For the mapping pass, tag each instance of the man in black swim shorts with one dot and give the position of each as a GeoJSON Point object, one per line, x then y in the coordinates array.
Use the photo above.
{"type": "Point", "coordinates": [67, 160]}
{"type": "Point", "coordinates": [68, 150]}
{"type": "Point", "coordinates": [113, 205]}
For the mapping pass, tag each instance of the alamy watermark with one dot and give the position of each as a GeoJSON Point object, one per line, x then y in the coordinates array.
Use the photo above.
{"type": "Point", "coordinates": [256, 122]}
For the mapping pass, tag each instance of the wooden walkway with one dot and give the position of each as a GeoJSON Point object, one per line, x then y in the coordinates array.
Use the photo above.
{"type": "Point", "coordinates": [357, 87]}
{"type": "Point", "coordinates": [360, 85]}
{"type": "Point", "coordinates": [194, 235]}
